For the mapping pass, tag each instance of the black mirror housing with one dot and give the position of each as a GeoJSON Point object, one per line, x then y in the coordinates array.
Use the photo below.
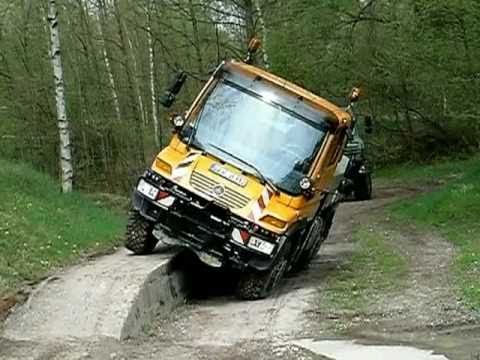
{"type": "Point", "coordinates": [172, 91]}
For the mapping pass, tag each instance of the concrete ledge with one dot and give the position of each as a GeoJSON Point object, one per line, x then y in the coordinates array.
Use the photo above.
{"type": "Point", "coordinates": [113, 296]}
{"type": "Point", "coordinates": [161, 292]}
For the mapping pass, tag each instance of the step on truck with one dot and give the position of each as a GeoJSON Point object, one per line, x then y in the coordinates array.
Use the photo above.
{"type": "Point", "coordinates": [251, 178]}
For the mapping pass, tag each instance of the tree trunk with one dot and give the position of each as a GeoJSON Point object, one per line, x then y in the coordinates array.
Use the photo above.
{"type": "Point", "coordinates": [263, 30]}
{"type": "Point", "coordinates": [249, 18]}
{"type": "Point", "coordinates": [131, 82]}
{"type": "Point", "coordinates": [151, 58]}
{"type": "Point", "coordinates": [62, 119]}
{"type": "Point", "coordinates": [136, 76]}
{"type": "Point", "coordinates": [196, 37]}
{"type": "Point", "coordinates": [106, 61]}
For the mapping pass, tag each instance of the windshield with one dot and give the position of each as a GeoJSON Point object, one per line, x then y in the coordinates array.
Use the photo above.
{"type": "Point", "coordinates": [257, 134]}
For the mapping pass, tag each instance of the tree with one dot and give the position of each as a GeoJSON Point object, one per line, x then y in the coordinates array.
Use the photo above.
{"type": "Point", "coordinates": [150, 6]}
{"type": "Point", "coordinates": [66, 166]}
{"type": "Point", "coordinates": [101, 15]}
{"type": "Point", "coordinates": [416, 60]}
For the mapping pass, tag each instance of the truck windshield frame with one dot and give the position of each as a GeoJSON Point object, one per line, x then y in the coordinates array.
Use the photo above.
{"type": "Point", "coordinates": [260, 125]}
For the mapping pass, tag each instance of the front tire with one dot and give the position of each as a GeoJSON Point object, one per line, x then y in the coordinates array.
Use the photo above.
{"type": "Point", "coordinates": [139, 238]}
{"type": "Point", "coordinates": [318, 232]}
{"type": "Point", "coordinates": [256, 285]}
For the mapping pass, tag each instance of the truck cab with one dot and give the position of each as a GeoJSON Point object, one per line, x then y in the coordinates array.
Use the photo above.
{"type": "Point", "coordinates": [249, 179]}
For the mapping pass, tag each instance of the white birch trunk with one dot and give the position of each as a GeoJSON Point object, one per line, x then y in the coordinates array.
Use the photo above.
{"type": "Point", "coordinates": [135, 74]}
{"type": "Point", "coordinates": [106, 61]}
{"type": "Point", "coordinates": [151, 58]}
{"type": "Point", "coordinates": [111, 79]}
{"type": "Point", "coordinates": [62, 120]}
{"type": "Point", "coordinates": [263, 30]}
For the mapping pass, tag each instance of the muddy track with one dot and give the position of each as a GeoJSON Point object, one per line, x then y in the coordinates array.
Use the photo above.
{"type": "Point", "coordinates": [215, 325]}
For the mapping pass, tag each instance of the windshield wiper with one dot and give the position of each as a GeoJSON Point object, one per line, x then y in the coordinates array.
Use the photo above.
{"type": "Point", "coordinates": [257, 173]}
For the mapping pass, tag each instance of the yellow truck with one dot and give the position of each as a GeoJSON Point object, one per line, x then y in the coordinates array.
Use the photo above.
{"type": "Point", "coordinates": [250, 180]}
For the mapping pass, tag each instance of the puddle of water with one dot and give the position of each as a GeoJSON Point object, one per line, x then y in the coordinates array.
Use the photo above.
{"type": "Point", "coordinates": [350, 350]}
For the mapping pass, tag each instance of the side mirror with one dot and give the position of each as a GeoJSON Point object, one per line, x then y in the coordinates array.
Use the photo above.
{"type": "Point", "coordinates": [172, 91]}
{"type": "Point", "coordinates": [368, 124]}
{"type": "Point", "coordinates": [177, 121]}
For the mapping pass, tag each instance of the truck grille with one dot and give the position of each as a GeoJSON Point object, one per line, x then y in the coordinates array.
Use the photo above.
{"type": "Point", "coordinates": [230, 198]}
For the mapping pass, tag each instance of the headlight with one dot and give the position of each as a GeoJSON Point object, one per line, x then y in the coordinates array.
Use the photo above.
{"type": "Point", "coordinates": [305, 183]}
{"type": "Point", "coordinates": [178, 121]}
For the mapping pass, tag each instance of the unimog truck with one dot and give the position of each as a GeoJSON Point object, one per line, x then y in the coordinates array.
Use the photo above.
{"type": "Point", "coordinates": [251, 178]}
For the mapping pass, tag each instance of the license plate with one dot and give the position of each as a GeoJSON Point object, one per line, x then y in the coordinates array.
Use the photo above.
{"type": "Point", "coordinates": [148, 190]}
{"type": "Point", "coordinates": [261, 245]}
{"type": "Point", "coordinates": [227, 174]}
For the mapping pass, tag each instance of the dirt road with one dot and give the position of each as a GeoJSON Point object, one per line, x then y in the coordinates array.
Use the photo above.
{"type": "Point", "coordinates": [425, 313]}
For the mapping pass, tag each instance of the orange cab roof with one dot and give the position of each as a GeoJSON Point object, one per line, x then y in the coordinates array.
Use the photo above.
{"type": "Point", "coordinates": [339, 114]}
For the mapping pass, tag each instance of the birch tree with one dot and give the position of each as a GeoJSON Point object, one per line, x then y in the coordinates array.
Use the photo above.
{"type": "Point", "coordinates": [66, 166]}
{"type": "Point", "coordinates": [106, 61]}
{"type": "Point", "coordinates": [151, 60]}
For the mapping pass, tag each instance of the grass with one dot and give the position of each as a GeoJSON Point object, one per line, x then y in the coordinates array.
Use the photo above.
{"type": "Point", "coordinates": [42, 229]}
{"type": "Point", "coordinates": [441, 171]}
{"type": "Point", "coordinates": [375, 267]}
{"type": "Point", "coordinates": [454, 211]}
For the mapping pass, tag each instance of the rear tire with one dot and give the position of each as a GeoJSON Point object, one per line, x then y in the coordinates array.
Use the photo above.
{"type": "Point", "coordinates": [363, 187]}
{"type": "Point", "coordinates": [139, 238]}
{"type": "Point", "coordinates": [256, 285]}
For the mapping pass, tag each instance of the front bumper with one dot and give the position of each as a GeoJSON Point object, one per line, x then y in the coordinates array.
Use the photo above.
{"type": "Point", "coordinates": [204, 227]}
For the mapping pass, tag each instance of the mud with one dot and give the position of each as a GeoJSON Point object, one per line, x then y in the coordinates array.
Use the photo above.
{"type": "Point", "coordinates": [425, 315]}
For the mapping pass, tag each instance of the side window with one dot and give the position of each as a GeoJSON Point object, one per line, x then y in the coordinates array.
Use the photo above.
{"type": "Point", "coordinates": [337, 147]}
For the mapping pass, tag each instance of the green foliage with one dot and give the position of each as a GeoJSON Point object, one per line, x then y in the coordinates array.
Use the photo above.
{"type": "Point", "coordinates": [453, 211]}
{"type": "Point", "coordinates": [416, 60]}
{"type": "Point", "coordinates": [109, 152]}
{"type": "Point", "coordinates": [41, 229]}
{"type": "Point", "coordinates": [375, 267]}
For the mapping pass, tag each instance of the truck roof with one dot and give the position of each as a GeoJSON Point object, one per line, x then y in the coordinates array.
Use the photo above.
{"type": "Point", "coordinates": [338, 114]}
